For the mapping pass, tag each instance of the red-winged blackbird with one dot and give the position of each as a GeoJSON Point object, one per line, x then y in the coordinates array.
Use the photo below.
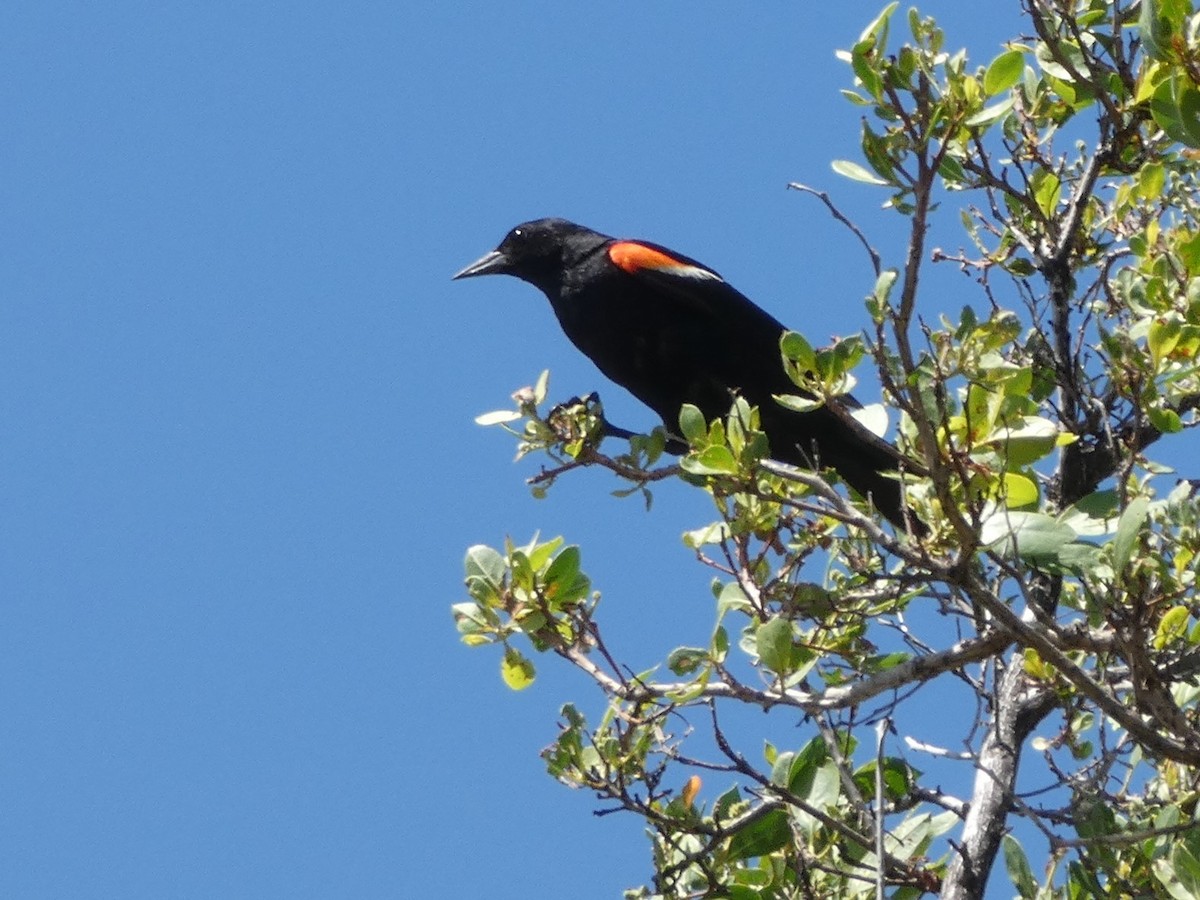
{"type": "Point", "coordinates": [672, 331]}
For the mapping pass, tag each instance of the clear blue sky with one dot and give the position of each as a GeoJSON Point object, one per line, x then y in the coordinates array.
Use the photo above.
{"type": "Point", "coordinates": [238, 467]}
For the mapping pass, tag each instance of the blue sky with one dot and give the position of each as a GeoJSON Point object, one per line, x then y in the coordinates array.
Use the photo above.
{"type": "Point", "coordinates": [238, 460]}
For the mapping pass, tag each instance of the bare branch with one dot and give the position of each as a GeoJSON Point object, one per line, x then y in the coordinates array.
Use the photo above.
{"type": "Point", "coordinates": [876, 260]}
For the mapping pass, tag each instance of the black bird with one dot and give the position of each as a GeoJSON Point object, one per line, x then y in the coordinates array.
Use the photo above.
{"type": "Point", "coordinates": [672, 331]}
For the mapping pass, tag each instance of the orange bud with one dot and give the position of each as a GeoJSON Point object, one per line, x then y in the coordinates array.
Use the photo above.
{"type": "Point", "coordinates": [690, 790]}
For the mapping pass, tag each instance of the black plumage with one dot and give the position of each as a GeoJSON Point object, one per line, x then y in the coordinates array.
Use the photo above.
{"type": "Point", "coordinates": [672, 331]}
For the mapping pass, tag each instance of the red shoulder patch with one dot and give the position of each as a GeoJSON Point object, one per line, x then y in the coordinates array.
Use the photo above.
{"type": "Point", "coordinates": [631, 256]}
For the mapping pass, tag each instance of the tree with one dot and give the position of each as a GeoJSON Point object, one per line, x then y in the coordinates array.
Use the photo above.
{"type": "Point", "coordinates": [1061, 563]}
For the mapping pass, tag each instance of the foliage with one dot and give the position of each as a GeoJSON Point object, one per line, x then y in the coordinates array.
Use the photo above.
{"type": "Point", "coordinates": [1061, 562]}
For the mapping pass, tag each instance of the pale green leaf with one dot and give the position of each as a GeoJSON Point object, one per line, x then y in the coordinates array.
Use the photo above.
{"type": "Point", "coordinates": [762, 836]}
{"type": "Point", "coordinates": [774, 641]}
{"type": "Point", "coordinates": [541, 387]}
{"type": "Point", "coordinates": [855, 172]}
{"type": "Point", "coordinates": [1163, 337]}
{"type": "Point", "coordinates": [1029, 535]}
{"type": "Point", "coordinates": [873, 417]}
{"type": "Point", "coordinates": [797, 403]}
{"type": "Point", "coordinates": [795, 348]}
{"type": "Point", "coordinates": [1128, 527]}
{"type": "Point", "coordinates": [991, 113]}
{"type": "Point", "coordinates": [1004, 71]}
{"type": "Point", "coordinates": [1017, 864]}
{"type": "Point", "coordinates": [1019, 491]}
{"type": "Point", "coordinates": [878, 27]}
{"type": "Point", "coordinates": [1172, 627]}
{"type": "Point", "coordinates": [715, 460]}
{"type": "Point", "coordinates": [497, 417]}
{"type": "Point", "coordinates": [517, 671]}
{"type": "Point", "coordinates": [692, 424]}
{"type": "Point", "coordinates": [686, 660]}
{"type": "Point", "coordinates": [1165, 420]}
{"type": "Point", "coordinates": [483, 562]}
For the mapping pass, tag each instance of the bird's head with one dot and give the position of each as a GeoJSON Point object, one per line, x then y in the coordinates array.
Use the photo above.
{"type": "Point", "coordinates": [538, 252]}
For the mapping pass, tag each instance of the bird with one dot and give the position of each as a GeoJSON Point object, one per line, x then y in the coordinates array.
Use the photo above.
{"type": "Point", "coordinates": [672, 331]}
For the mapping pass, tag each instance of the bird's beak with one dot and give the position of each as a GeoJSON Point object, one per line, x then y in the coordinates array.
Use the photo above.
{"type": "Point", "coordinates": [495, 263]}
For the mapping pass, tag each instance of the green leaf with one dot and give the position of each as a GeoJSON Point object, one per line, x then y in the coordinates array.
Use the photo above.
{"type": "Point", "coordinates": [719, 646]}
{"type": "Point", "coordinates": [1082, 882]}
{"type": "Point", "coordinates": [764, 835]}
{"type": "Point", "coordinates": [686, 660]}
{"type": "Point", "coordinates": [855, 172]}
{"type": "Point", "coordinates": [540, 388]}
{"type": "Point", "coordinates": [1165, 109]}
{"type": "Point", "coordinates": [952, 172]}
{"type": "Point", "coordinates": [539, 555]}
{"type": "Point", "coordinates": [1031, 536]}
{"type": "Point", "coordinates": [1046, 60]}
{"type": "Point", "coordinates": [796, 349]}
{"type": "Point", "coordinates": [731, 597]}
{"type": "Point", "coordinates": [1098, 505]}
{"type": "Point", "coordinates": [565, 583]}
{"type": "Point", "coordinates": [713, 533]}
{"type": "Point", "coordinates": [517, 671]}
{"type": "Point", "coordinates": [1078, 557]}
{"type": "Point", "coordinates": [943, 822]}
{"type": "Point", "coordinates": [1047, 191]}
{"type": "Point", "coordinates": [797, 403]}
{"type": "Point", "coordinates": [1163, 337]}
{"type": "Point", "coordinates": [898, 777]}
{"type": "Point", "coordinates": [472, 622]}
{"type": "Point", "coordinates": [774, 641]}
{"type": "Point", "coordinates": [796, 771]}
{"type": "Point", "coordinates": [497, 417]}
{"type": "Point", "coordinates": [1189, 254]}
{"type": "Point", "coordinates": [1165, 420]}
{"type": "Point", "coordinates": [1018, 867]}
{"type": "Point", "coordinates": [522, 570]}
{"type": "Point", "coordinates": [485, 562]}
{"type": "Point", "coordinates": [715, 460]}
{"type": "Point", "coordinates": [864, 60]}
{"type": "Point", "coordinates": [1028, 441]}
{"type": "Point", "coordinates": [1150, 181]}
{"type": "Point", "coordinates": [826, 787]}
{"type": "Point", "coordinates": [1035, 666]}
{"type": "Point", "coordinates": [983, 406]}
{"type": "Point", "coordinates": [877, 303]}
{"type": "Point", "coordinates": [910, 837]}
{"type": "Point", "coordinates": [885, 662]}
{"type": "Point", "coordinates": [565, 567]}
{"type": "Point", "coordinates": [1154, 31]}
{"type": "Point", "coordinates": [873, 417]}
{"type": "Point", "coordinates": [692, 424]}
{"type": "Point", "coordinates": [878, 154]}
{"type": "Point", "coordinates": [877, 30]}
{"type": "Point", "coordinates": [1187, 98]}
{"type": "Point", "coordinates": [1004, 71]}
{"type": "Point", "coordinates": [1128, 527]}
{"type": "Point", "coordinates": [485, 570]}
{"type": "Point", "coordinates": [1180, 874]}
{"type": "Point", "coordinates": [990, 114]}
{"type": "Point", "coordinates": [1172, 627]}
{"type": "Point", "coordinates": [724, 806]}
{"type": "Point", "coordinates": [1187, 867]}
